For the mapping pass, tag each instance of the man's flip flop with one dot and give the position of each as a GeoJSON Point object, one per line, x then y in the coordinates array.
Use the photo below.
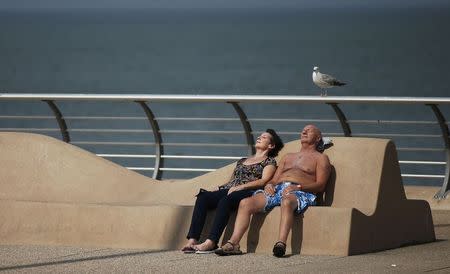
{"type": "Point", "coordinates": [279, 249]}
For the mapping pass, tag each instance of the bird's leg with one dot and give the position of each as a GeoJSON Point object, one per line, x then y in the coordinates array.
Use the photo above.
{"type": "Point", "coordinates": [322, 93]}
{"type": "Point", "coordinates": [326, 93]}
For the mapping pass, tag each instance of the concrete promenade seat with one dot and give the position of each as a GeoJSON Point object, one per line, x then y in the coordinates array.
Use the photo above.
{"type": "Point", "coordinates": [55, 193]}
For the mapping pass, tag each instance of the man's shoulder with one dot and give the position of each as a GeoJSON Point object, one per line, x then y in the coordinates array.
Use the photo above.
{"type": "Point", "coordinates": [323, 157]}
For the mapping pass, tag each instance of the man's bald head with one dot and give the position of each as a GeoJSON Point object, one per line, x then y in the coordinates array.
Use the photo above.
{"type": "Point", "coordinates": [311, 134]}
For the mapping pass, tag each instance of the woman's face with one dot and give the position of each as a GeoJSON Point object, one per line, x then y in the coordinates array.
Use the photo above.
{"type": "Point", "coordinates": [264, 141]}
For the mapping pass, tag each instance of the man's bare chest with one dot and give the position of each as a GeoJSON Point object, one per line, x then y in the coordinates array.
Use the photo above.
{"type": "Point", "coordinates": [301, 162]}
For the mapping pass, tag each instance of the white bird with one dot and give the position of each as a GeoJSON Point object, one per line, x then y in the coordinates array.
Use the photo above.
{"type": "Point", "coordinates": [324, 81]}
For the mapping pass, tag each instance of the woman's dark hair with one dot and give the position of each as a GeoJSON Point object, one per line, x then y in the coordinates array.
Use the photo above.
{"type": "Point", "coordinates": [276, 141]}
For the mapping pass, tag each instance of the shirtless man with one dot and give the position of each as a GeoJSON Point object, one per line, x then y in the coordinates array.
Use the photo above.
{"type": "Point", "coordinates": [298, 177]}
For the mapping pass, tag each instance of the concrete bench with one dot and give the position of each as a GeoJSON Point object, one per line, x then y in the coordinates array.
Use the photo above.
{"type": "Point", "coordinates": [55, 193]}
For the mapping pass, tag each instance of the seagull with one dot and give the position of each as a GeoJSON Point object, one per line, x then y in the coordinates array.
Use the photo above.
{"type": "Point", "coordinates": [324, 81]}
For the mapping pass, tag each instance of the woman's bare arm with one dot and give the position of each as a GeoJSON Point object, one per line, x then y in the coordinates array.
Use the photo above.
{"type": "Point", "coordinates": [267, 174]}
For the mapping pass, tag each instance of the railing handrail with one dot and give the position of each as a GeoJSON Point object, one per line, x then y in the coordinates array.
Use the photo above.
{"type": "Point", "coordinates": [143, 99]}
{"type": "Point", "coordinates": [227, 98]}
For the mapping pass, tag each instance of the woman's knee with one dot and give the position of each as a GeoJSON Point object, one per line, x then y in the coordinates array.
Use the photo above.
{"type": "Point", "coordinates": [204, 198]}
{"type": "Point", "coordinates": [201, 198]}
{"type": "Point", "coordinates": [234, 198]}
{"type": "Point", "coordinates": [224, 202]}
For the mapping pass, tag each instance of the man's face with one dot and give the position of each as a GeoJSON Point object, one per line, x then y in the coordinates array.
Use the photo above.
{"type": "Point", "coordinates": [310, 134]}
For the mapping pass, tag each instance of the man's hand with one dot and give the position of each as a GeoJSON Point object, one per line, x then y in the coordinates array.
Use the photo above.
{"type": "Point", "coordinates": [269, 189]}
{"type": "Point", "coordinates": [291, 188]}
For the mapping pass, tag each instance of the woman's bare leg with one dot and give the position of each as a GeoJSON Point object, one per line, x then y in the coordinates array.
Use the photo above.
{"type": "Point", "coordinates": [247, 207]}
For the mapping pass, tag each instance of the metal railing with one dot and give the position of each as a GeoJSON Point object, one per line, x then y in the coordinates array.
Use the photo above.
{"type": "Point", "coordinates": [440, 155]}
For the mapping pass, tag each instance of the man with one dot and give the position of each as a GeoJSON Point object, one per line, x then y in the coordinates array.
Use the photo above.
{"type": "Point", "coordinates": [298, 177]}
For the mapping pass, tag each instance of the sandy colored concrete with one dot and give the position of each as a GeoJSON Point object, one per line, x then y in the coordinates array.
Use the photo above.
{"type": "Point", "coordinates": [56, 193]}
{"type": "Point", "coordinates": [427, 193]}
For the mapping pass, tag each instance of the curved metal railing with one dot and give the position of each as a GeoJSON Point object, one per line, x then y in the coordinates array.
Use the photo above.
{"type": "Point", "coordinates": [347, 126]}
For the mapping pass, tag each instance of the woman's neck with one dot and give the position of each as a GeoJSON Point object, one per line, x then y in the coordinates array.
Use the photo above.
{"type": "Point", "coordinates": [261, 153]}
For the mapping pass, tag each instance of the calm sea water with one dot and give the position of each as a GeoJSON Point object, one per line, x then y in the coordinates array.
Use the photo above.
{"type": "Point", "coordinates": [379, 52]}
{"type": "Point", "coordinates": [384, 52]}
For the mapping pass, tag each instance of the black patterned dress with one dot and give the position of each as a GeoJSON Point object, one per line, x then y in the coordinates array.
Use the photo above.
{"type": "Point", "coordinates": [243, 174]}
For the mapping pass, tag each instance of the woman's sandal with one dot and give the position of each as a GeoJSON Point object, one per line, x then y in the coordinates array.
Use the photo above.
{"type": "Point", "coordinates": [229, 249]}
{"type": "Point", "coordinates": [279, 249]}
{"type": "Point", "coordinates": [208, 251]}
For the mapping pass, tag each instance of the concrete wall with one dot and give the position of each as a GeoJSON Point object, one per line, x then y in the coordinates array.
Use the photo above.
{"type": "Point", "coordinates": [55, 193]}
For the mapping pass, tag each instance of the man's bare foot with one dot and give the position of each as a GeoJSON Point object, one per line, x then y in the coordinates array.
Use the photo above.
{"type": "Point", "coordinates": [206, 246]}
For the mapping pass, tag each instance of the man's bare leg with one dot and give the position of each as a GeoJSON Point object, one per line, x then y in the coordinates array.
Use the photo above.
{"type": "Point", "coordinates": [288, 205]}
{"type": "Point", "coordinates": [247, 207]}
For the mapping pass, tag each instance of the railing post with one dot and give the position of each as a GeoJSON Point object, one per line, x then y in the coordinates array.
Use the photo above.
{"type": "Point", "coordinates": [247, 127]}
{"type": "Point", "coordinates": [159, 149]}
{"type": "Point", "coordinates": [342, 119]}
{"type": "Point", "coordinates": [444, 191]}
{"type": "Point", "coordinates": [60, 119]}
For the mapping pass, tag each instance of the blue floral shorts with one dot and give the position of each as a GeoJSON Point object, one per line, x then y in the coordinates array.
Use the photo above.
{"type": "Point", "coordinates": [304, 199]}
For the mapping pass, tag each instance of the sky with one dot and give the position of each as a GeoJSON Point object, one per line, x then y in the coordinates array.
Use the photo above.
{"type": "Point", "coordinates": [197, 4]}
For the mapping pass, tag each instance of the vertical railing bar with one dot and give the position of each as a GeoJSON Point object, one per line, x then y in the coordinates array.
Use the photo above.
{"type": "Point", "coordinates": [342, 119]}
{"type": "Point", "coordinates": [159, 150]}
{"type": "Point", "coordinates": [247, 127]}
{"type": "Point", "coordinates": [60, 119]}
{"type": "Point", "coordinates": [444, 191]}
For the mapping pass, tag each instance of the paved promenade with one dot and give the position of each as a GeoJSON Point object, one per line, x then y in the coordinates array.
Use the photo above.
{"type": "Point", "coordinates": [432, 257]}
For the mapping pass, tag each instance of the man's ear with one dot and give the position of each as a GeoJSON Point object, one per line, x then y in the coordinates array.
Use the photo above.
{"type": "Point", "coordinates": [318, 139]}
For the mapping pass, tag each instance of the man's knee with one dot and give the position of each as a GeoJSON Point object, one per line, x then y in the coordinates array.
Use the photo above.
{"type": "Point", "coordinates": [290, 202]}
{"type": "Point", "coordinates": [246, 204]}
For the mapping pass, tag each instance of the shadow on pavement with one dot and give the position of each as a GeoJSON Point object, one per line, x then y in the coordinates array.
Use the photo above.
{"type": "Point", "coordinates": [69, 261]}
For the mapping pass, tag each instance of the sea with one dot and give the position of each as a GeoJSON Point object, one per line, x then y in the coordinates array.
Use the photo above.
{"type": "Point", "coordinates": [376, 51]}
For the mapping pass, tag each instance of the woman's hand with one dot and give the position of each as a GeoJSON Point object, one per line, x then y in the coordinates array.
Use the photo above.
{"type": "Point", "coordinates": [269, 189]}
{"type": "Point", "coordinates": [234, 188]}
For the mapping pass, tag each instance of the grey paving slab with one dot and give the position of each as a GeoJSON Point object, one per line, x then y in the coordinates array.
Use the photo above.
{"type": "Point", "coordinates": [426, 258]}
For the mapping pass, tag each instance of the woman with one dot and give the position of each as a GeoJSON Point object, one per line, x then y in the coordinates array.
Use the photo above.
{"type": "Point", "coordinates": [249, 174]}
